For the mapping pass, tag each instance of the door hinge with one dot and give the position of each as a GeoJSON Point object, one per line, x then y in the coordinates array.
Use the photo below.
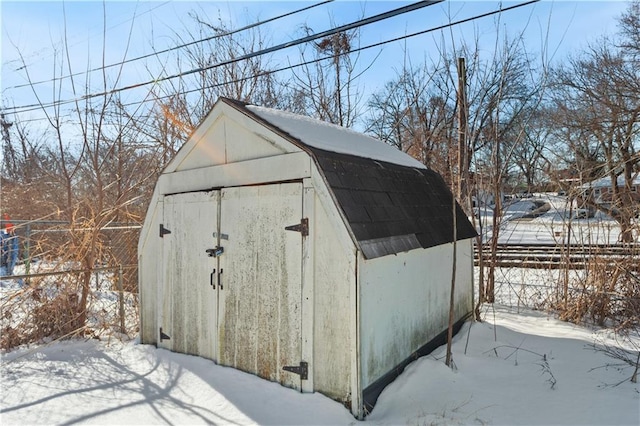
{"type": "Point", "coordinates": [302, 369]}
{"type": "Point", "coordinates": [163, 231]}
{"type": "Point", "coordinates": [302, 227]}
{"type": "Point", "coordinates": [163, 336]}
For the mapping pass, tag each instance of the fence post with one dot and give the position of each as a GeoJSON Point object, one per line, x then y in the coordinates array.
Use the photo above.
{"type": "Point", "coordinates": [121, 291]}
{"type": "Point", "coordinates": [27, 252]}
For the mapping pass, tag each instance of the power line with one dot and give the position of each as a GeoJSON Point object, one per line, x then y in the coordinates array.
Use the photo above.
{"type": "Point", "coordinates": [24, 65]}
{"type": "Point", "coordinates": [339, 54]}
{"type": "Point", "coordinates": [223, 34]}
{"type": "Point", "coordinates": [306, 39]}
{"type": "Point", "coordinates": [370, 46]}
{"type": "Point", "coordinates": [450, 24]}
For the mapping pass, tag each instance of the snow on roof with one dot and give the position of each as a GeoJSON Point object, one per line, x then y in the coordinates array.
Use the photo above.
{"type": "Point", "coordinates": [330, 137]}
{"type": "Point", "coordinates": [605, 182]}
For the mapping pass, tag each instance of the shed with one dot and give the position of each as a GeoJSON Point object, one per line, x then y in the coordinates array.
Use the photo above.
{"type": "Point", "coordinates": [302, 252]}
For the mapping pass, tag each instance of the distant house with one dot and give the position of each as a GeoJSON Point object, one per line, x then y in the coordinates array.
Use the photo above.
{"type": "Point", "coordinates": [301, 252]}
{"type": "Point", "coordinates": [566, 177]}
{"type": "Point", "coordinates": [600, 191]}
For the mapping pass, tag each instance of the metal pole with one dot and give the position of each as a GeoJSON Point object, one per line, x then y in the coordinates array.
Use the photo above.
{"type": "Point", "coordinates": [461, 187]}
{"type": "Point", "coordinates": [121, 291]}
{"type": "Point", "coordinates": [27, 252]}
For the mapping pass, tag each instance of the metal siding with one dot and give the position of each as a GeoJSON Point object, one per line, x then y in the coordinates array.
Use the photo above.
{"type": "Point", "coordinates": [264, 170]}
{"type": "Point", "coordinates": [260, 316]}
{"type": "Point", "coordinates": [252, 146]}
{"type": "Point", "coordinates": [334, 307]}
{"type": "Point", "coordinates": [227, 135]}
{"type": "Point", "coordinates": [209, 149]}
{"type": "Point", "coordinates": [189, 302]}
{"type": "Point", "coordinates": [165, 290]}
{"type": "Point", "coordinates": [308, 276]}
{"type": "Point", "coordinates": [405, 303]}
{"type": "Point", "coordinates": [149, 249]}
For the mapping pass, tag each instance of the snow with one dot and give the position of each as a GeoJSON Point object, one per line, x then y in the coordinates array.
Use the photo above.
{"type": "Point", "coordinates": [551, 227]}
{"type": "Point", "coordinates": [536, 370]}
{"type": "Point", "coordinates": [103, 305]}
{"type": "Point", "coordinates": [605, 182]}
{"type": "Point", "coordinates": [329, 137]}
{"type": "Point", "coordinates": [517, 368]}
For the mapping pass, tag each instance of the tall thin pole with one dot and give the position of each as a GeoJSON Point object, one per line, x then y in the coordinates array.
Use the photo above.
{"type": "Point", "coordinates": [123, 330]}
{"type": "Point", "coordinates": [462, 132]}
{"type": "Point", "coordinates": [27, 252]}
{"type": "Point", "coordinates": [461, 190]}
{"type": "Point", "coordinates": [452, 299]}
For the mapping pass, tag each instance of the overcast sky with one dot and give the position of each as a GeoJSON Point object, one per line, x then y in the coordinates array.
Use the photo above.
{"type": "Point", "coordinates": [32, 32]}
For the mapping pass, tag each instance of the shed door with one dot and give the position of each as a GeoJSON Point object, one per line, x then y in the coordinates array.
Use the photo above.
{"type": "Point", "coordinates": [260, 302]}
{"type": "Point", "coordinates": [188, 305]}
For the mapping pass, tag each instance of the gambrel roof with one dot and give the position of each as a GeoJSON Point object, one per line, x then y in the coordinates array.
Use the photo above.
{"type": "Point", "coordinates": [391, 202]}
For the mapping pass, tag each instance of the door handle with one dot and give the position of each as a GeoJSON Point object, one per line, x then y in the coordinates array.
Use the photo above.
{"type": "Point", "coordinates": [220, 279]}
{"type": "Point", "coordinates": [211, 282]}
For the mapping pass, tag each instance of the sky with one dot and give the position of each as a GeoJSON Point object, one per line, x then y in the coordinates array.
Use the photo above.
{"type": "Point", "coordinates": [107, 33]}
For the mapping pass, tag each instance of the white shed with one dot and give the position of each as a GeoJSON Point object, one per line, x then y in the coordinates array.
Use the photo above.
{"type": "Point", "coordinates": [302, 252]}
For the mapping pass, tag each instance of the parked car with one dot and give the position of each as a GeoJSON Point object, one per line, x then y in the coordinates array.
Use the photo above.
{"type": "Point", "coordinates": [526, 209]}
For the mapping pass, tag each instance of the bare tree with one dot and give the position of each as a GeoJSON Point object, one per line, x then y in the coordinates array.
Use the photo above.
{"type": "Point", "coordinates": [597, 97]}
{"type": "Point", "coordinates": [630, 30]}
{"type": "Point", "coordinates": [416, 112]}
{"type": "Point", "coordinates": [213, 50]}
{"type": "Point", "coordinates": [23, 152]}
{"type": "Point", "coordinates": [407, 114]}
{"type": "Point", "coordinates": [529, 154]}
{"type": "Point", "coordinates": [326, 87]}
{"type": "Point", "coordinates": [89, 171]}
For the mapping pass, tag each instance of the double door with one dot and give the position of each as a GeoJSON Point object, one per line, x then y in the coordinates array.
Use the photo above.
{"type": "Point", "coordinates": [232, 278]}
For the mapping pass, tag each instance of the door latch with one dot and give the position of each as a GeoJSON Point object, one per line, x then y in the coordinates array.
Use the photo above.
{"type": "Point", "coordinates": [215, 252]}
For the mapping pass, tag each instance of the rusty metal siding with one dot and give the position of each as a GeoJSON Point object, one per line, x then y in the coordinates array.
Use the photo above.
{"type": "Point", "coordinates": [405, 303]}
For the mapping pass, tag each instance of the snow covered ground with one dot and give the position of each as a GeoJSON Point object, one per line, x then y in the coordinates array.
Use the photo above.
{"type": "Point", "coordinates": [519, 366]}
{"type": "Point", "coordinates": [515, 368]}
{"type": "Point", "coordinates": [554, 226]}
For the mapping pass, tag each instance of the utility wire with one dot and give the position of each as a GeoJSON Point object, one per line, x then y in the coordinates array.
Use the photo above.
{"type": "Point", "coordinates": [219, 35]}
{"type": "Point", "coordinates": [306, 39]}
{"type": "Point", "coordinates": [23, 65]}
{"type": "Point", "coordinates": [450, 24]}
{"type": "Point", "coordinates": [370, 46]}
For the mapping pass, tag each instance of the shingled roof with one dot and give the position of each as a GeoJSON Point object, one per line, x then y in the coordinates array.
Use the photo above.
{"type": "Point", "coordinates": [391, 202]}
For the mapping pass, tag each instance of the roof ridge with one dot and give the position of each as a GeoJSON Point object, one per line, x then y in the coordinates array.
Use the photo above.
{"type": "Point", "coordinates": [312, 133]}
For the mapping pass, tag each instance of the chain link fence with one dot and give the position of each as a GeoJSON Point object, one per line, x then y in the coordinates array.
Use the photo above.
{"type": "Point", "coordinates": [70, 280]}
{"type": "Point", "coordinates": [603, 290]}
